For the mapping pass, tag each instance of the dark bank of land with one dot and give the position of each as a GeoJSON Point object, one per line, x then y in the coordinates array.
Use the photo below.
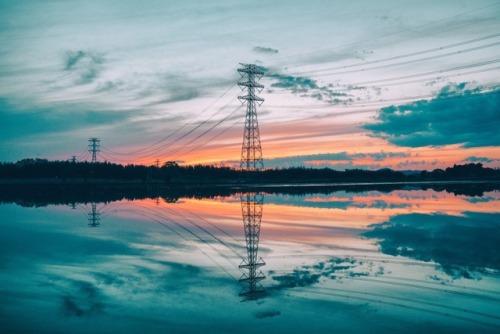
{"type": "Point", "coordinates": [33, 182]}
{"type": "Point", "coordinates": [57, 172]}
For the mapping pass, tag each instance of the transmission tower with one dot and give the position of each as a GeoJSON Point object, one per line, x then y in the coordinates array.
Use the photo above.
{"type": "Point", "coordinates": [94, 147]}
{"type": "Point", "coordinates": [94, 217]}
{"type": "Point", "coordinates": [251, 149]}
{"type": "Point", "coordinates": [251, 209]}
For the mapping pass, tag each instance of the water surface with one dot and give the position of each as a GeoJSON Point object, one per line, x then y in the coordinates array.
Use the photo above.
{"type": "Point", "coordinates": [358, 262]}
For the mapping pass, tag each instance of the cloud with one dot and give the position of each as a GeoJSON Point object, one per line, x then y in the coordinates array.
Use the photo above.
{"type": "Point", "coordinates": [55, 247]}
{"type": "Point", "coordinates": [298, 278]}
{"type": "Point", "coordinates": [420, 164]}
{"type": "Point", "coordinates": [267, 314]}
{"type": "Point", "coordinates": [85, 66]}
{"type": "Point", "coordinates": [346, 160]}
{"type": "Point", "coordinates": [308, 87]}
{"type": "Point", "coordinates": [461, 245]}
{"type": "Point", "coordinates": [171, 87]}
{"type": "Point", "coordinates": [85, 300]}
{"type": "Point", "coordinates": [381, 156]}
{"type": "Point", "coordinates": [295, 83]}
{"type": "Point", "coordinates": [478, 159]}
{"type": "Point", "coordinates": [177, 94]}
{"type": "Point", "coordinates": [109, 86]}
{"type": "Point", "coordinates": [39, 127]}
{"type": "Point", "coordinates": [265, 50]}
{"type": "Point", "coordinates": [334, 268]}
{"type": "Point", "coordinates": [475, 200]}
{"type": "Point", "coordinates": [456, 116]}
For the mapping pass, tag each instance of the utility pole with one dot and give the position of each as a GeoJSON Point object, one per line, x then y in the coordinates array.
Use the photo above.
{"type": "Point", "coordinates": [251, 210]}
{"type": "Point", "coordinates": [73, 158]}
{"type": "Point", "coordinates": [251, 149]}
{"type": "Point", "coordinates": [94, 147]}
{"type": "Point", "coordinates": [157, 163]}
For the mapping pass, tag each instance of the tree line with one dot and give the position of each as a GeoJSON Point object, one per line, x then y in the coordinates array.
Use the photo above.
{"type": "Point", "coordinates": [171, 172]}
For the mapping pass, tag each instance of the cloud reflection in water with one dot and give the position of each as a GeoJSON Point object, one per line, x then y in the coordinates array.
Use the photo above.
{"type": "Point", "coordinates": [463, 246]}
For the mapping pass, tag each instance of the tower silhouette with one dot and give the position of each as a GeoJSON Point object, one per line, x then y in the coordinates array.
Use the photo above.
{"type": "Point", "coordinates": [251, 149]}
{"type": "Point", "coordinates": [251, 210]}
{"type": "Point", "coordinates": [94, 147]}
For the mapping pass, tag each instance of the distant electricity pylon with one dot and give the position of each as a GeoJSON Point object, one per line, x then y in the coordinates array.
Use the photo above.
{"type": "Point", "coordinates": [251, 209]}
{"type": "Point", "coordinates": [251, 149]}
{"type": "Point", "coordinates": [94, 147]}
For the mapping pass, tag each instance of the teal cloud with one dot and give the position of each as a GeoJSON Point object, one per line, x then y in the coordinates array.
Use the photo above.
{"type": "Point", "coordinates": [327, 158]}
{"type": "Point", "coordinates": [456, 116]}
{"type": "Point", "coordinates": [308, 87]}
{"type": "Point", "coordinates": [39, 126]}
{"type": "Point", "coordinates": [475, 159]}
{"type": "Point", "coordinates": [84, 65]}
{"type": "Point", "coordinates": [462, 246]}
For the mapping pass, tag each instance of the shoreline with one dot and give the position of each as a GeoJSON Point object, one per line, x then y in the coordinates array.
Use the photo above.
{"type": "Point", "coordinates": [45, 193]}
{"type": "Point", "coordinates": [231, 184]}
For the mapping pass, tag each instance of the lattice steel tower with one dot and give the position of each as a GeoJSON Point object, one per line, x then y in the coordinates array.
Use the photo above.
{"type": "Point", "coordinates": [94, 217]}
{"type": "Point", "coordinates": [94, 147]}
{"type": "Point", "coordinates": [251, 149]}
{"type": "Point", "coordinates": [251, 209]}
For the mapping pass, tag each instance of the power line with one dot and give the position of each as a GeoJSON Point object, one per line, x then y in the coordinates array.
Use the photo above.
{"type": "Point", "coordinates": [462, 67]}
{"type": "Point", "coordinates": [395, 33]}
{"type": "Point", "coordinates": [350, 112]}
{"type": "Point", "coordinates": [461, 74]}
{"type": "Point", "coordinates": [82, 154]}
{"type": "Point", "coordinates": [202, 134]}
{"type": "Point", "coordinates": [410, 61]}
{"type": "Point", "coordinates": [359, 104]}
{"type": "Point", "coordinates": [209, 140]}
{"type": "Point", "coordinates": [145, 149]}
{"type": "Point", "coordinates": [153, 151]}
{"type": "Point", "coordinates": [412, 54]}
{"type": "Point", "coordinates": [362, 83]}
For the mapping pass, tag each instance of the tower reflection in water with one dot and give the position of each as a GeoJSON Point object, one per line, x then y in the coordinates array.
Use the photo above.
{"type": "Point", "coordinates": [94, 217]}
{"type": "Point", "coordinates": [251, 210]}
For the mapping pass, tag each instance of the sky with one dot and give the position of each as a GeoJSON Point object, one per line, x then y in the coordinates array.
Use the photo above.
{"type": "Point", "coordinates": [407, 85]}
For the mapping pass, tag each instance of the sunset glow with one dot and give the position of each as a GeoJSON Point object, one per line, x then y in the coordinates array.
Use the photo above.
{"type": "Point", "coordinates": [371, 85]}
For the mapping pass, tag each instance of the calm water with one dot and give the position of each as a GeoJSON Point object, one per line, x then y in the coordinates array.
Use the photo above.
{"type": "Point", "coordinates": [367, 262]}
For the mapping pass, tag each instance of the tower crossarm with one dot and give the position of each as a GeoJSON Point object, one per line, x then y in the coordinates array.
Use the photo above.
{"type": "Point", "coordinates": [251, 98]}
{"type": "Point", "coordinates": [251, 68]}
{"type": "Point", "coordinates": [250, 84]}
